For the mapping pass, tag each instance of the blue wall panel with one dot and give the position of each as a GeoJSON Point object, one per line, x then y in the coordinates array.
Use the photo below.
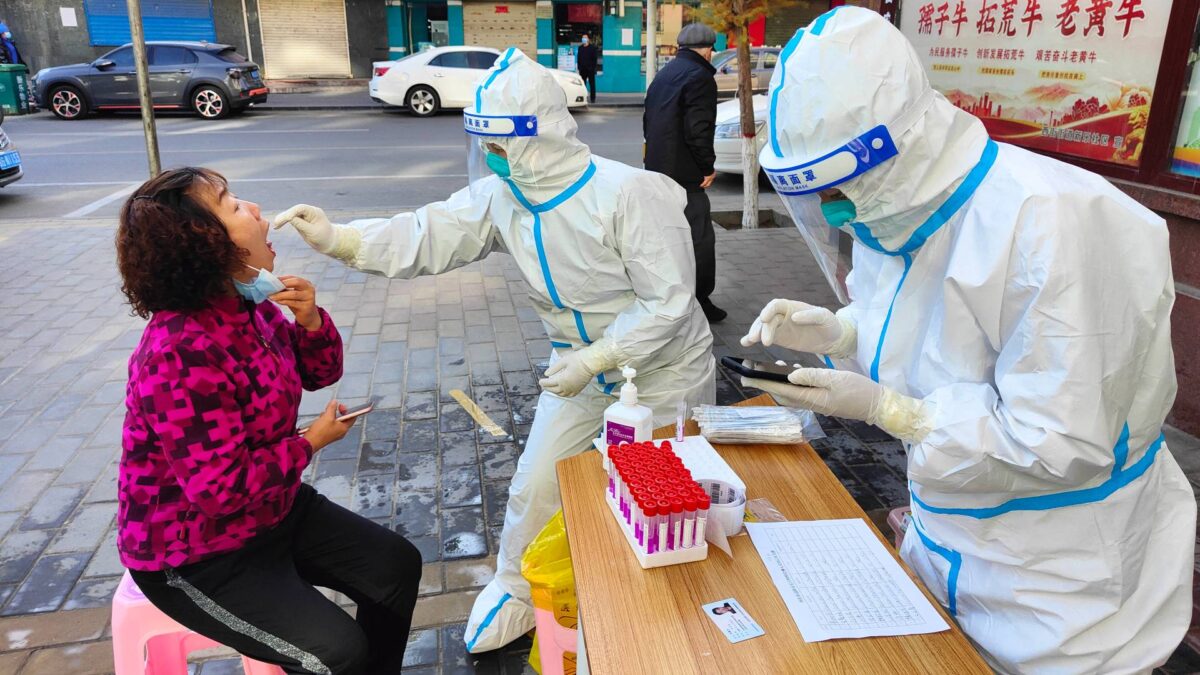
{"type": "Point", "coordinates": [108, 21]}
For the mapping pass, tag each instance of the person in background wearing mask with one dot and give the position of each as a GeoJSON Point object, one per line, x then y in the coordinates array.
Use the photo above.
{"type": "Point", "coordinates": [679, 125]}
{"type": "Point", "coordinates": [586, 63]}
{"type": "Point", "coordinates": [1009, 320]}
{"type": "Point", "coordinates": [8, 47]}
{"type": "Point", "coordinates": [213, 523]}
{"type": "Point", "coordinates": [605, 251]}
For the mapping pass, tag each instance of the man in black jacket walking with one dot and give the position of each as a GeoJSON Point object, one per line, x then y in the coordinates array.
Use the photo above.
{"type": "Point", "coordinates": [586, 62]}
{"type": "Point", "coordinates": [678, 125]}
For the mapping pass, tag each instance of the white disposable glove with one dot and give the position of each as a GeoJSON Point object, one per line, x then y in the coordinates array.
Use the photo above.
{"type": "Point", "coordinates": [840, 393]}
{"type": "Point", "coordinates": [574, 369]}
{"type": "Point", "coordinates": [314, 226]}
{"type": "Point", "coordinates": [802, 327]}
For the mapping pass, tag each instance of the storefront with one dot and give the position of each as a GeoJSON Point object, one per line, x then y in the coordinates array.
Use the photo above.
{"type": "Point", "coordinates": [304, 38]}
{"type": "Point", "coordinates": [548, 29]}
{"type": "Point", "coordinates": [1112, 87]}
{"type": "Point", "coordinates": [413, 25]}
{"type": "Point", "coordinates": [500, 24]}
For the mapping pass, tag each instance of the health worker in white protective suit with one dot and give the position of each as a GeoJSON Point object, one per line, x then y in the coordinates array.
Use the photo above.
{"type": "Point", "coordinates": [1009, 320]}
{"type": "Point", "coordinates": [607, 253]}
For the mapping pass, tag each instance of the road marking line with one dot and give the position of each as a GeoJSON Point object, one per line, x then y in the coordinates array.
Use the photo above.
{"type": "Point", "coordinates": [264, 180]}
{"type": "Point", "coordinates": [102, 202]}
{"type": "Point", "coordinates": [192, 132]}
{"type": "Point", "coordinates": [481, 418]}
{"type": "Point", "coordinates": [26, 154]}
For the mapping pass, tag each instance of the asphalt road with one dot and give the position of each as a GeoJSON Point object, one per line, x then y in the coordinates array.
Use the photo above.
{"type": "Point", "coordinates": [368, 162]}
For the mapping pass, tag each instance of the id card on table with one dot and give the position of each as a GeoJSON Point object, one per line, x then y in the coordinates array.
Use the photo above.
{"type": "Point", "coordinates": [732, 620]}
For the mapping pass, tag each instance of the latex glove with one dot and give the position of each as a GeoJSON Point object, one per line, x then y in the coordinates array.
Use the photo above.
{"type": "Point", "coordinates": [574, 369]}
{"type": "Point", "coordinates": [314, 226]}
{"type": "Point", "coordinates": [802, 327]}
{"type": "Point", "coordinates": [840, 393]}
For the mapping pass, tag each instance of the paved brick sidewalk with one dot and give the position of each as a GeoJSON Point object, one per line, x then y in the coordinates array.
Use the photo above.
{"type": "Point", "coordinates": [419, 465]}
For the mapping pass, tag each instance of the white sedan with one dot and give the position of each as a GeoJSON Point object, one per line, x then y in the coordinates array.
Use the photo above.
{"type": "Point", "coordinates": [728, 141]}
{"type": "Point", "coordinates": [445, 77]}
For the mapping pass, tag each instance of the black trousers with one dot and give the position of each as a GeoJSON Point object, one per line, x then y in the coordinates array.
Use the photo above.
{"type": "Point", "coordinates": [260, 599]}
{"type": "Point", "coordinates": [704, 241]}
{"type": "Point", "coordinates": [589, 78]}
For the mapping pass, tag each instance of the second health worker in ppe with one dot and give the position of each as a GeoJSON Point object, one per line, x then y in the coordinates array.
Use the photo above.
{"type": "Point", "coordinates": [607, 254]}
{"type": "Point", "coordinates": [1009, 319]}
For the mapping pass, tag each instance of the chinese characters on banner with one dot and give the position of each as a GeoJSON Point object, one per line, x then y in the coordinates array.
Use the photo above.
{"type": "Point", "coordinates": [1070, 76]}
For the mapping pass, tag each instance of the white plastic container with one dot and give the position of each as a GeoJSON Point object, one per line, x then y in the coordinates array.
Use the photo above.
{"type": "Point", "coordinates": [625, 421]}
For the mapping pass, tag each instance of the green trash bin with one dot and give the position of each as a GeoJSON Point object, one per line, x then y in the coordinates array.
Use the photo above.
{"type": "Point", "coordinates": [14, 89]}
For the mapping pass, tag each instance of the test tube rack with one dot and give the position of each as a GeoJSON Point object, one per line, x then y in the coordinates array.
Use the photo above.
{"type": "Point", "coordinates": [659, 558]}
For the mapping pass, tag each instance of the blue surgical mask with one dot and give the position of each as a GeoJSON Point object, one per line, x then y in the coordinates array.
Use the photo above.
{"type": "Point", "coordinates": [839, 213]}
{"type": "Point", "coordinates": [585, 41]}
{"type": "Point", "coordinates": [262, 287]}
{"type": "Point", "coordinates": [498, 165]}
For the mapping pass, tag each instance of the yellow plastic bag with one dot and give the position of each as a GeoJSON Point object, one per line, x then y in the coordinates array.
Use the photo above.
{"type": "Point", "coordinates": [546, 565]}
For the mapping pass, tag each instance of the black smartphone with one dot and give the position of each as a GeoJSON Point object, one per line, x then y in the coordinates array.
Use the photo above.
{"type": "Point", "coordinates": [759, 370]}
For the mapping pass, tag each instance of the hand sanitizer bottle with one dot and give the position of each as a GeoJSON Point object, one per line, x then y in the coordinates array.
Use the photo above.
{"type": "Point", "coordinates": [625, 421]}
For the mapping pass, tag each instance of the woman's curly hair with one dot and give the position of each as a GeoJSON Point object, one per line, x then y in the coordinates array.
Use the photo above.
{"type": "Point", "coordinates": [173, 252]}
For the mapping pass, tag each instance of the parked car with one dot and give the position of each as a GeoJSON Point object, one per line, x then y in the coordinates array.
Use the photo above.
{"type": "Point", "coordinates": [762, 59]}
{"type": "Point", "coordinates": [728, 137]}
{"type": "Point", "coordinates": [211, 79]}
{"type": "Point", "coordinates": [10, 161]}
{"type": "Point", "coordinates": [445, 77]}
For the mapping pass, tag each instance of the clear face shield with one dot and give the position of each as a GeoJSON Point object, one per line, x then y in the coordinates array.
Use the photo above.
{"type": "Point", "coordinates": [490, 138]}
{"type": "Point", "coordinates": [821, 214]}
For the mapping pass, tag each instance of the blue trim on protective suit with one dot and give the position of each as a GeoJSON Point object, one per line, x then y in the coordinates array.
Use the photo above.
{"type": "Point", "coordinates": [943, 214]}
{"type": "Point", "coordinates": [487, 621]}
{"type": "Point", "coordinates": [940, 217]}
{"type": "Point", "coordinates": [537, 210]}
{"type": "Point", "coordinates": [818, 24]}
{"type": "Point", "coordinates": [887, 320]}
{"type": "Point", "coordinates": [829, 362]}
{"type": "Point", "coordinates": [504, 64]}
{"type": "Point", "coordinates": [608, 386]}
{"type": "Point", "coordinates": [1120, 478]}
{"type": "Point", "coordinates": [783, 60]}
{"type": "Point", "coordinates": [952, 557]}
{"type": "Point", "coordinates": [580, 327]}
{"type": "Point", "coordinates": [570, 191]}
{"type": "Point", "coordinates": [561, 345]}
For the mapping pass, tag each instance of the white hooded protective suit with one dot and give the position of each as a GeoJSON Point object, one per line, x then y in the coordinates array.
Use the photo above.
{"type": "Point", "coordinates": [1024, 304]}
{"type": "Point", "coordinates": [607, 254]}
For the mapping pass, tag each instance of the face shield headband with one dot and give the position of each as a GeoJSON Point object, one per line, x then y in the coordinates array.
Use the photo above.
{"type": "Point", "coordinates": [499, 130]}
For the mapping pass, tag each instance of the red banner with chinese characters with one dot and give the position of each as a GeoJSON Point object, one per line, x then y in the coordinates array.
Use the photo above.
{"type": "Point", "coordinates": [1070, 76]}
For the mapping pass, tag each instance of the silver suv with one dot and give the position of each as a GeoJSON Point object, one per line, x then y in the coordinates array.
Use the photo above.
{"type": "Point", "coordinates": [211, 79]}
{"type": "Point", "coordinates": [762, 64]}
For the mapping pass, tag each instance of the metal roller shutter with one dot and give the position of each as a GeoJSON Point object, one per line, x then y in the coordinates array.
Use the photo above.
{"type": "Point", "coordinates": [783, 22]}
{"type": "Point", "coordinates": [304, 38]}
{"type": "Point", "coordinates": [108, 21]}
{"type": "Point", "coordinates": [501, 25]}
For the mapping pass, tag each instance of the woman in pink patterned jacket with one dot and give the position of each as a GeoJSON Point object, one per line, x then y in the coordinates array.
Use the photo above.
{"type": "Point", "coordinates": [215, 525]}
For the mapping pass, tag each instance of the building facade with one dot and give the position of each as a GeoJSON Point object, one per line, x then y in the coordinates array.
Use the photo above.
{"type": "Point", "coordinates": [306, 39]}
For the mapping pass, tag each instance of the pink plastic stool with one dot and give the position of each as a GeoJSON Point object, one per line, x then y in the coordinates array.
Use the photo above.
{"type": "Point", "coordinates": [898, 520]}
{"type": "Point", "coordinates": [148, 642]}
{"type": "Point", "coordinates": [554, 640]}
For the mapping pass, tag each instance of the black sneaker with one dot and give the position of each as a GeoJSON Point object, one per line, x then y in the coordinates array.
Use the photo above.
{"type": "Point", "coordinates": [713, 313]}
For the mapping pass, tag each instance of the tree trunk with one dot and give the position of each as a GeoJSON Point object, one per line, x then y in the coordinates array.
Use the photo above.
{"type": "Point", "coordinates": [748, 127]}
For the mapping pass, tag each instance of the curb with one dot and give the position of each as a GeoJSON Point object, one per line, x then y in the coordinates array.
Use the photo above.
{"type": "Point", "coordinates": [373, 108]}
